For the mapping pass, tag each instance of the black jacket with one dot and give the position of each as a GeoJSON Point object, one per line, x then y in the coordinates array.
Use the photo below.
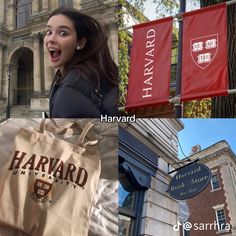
{"type": "Point", "coordinates": [77, 97]}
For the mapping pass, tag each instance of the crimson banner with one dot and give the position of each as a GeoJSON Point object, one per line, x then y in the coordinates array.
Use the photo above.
{"type": "Point", "coordinates": [149, 77]}
{"type": "Point", "coordinates": [204, 64]}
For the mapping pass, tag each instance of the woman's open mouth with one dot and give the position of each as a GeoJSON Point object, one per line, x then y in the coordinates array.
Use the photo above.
{"type": "Point", "coordinates": [54, 54]}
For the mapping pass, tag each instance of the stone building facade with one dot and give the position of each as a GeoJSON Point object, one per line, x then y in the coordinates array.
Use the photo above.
{"type": "Point", "coordinates": [217, 203]}
{"type": "Point", "coordinates": [22, 30]}
{"type": "Point", "coordinates": [147, 150]}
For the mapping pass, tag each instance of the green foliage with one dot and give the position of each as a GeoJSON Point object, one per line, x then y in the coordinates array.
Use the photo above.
{"type": "Point", "coordinates": [124, 40]}
{"type": "Point", "coordinates": [139, 4]}
{"type": "Point", "coordinates": [166, 7]}
{"type": "Point", "coordinates": [198, 109]}
{"type": "Point", "coordinates": [162, 7]}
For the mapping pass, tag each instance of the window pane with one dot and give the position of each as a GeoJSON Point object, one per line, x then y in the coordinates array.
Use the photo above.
{"type": "Point", "coordinates": [126, 194]}
{"type": "Point", "coordinates": [124, 225]}
{"type": "Point", "coordinates": [23, 12]}
{"type": "Point", "coordinates": [66, 3]}
{"type": "Point", "coordinates": [215, 182]}
{"type": "Point", "coordinates": [221, 219]}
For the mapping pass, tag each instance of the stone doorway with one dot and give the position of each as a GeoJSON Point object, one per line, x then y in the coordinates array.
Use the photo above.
{"type": "Point", "coordinates": [23, 85]}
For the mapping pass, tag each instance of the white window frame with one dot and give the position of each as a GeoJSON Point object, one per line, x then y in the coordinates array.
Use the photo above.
{"type": "Point", "coordinates": [218, 208]}
{"type": "Point", "coordinates": [212, 189]}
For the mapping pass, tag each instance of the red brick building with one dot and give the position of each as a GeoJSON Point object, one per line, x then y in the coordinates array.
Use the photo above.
{"type": "Point", "coordinates": [213, 211]}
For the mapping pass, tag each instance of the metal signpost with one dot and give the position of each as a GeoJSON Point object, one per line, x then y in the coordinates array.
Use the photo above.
{"type": "Point", "coordinates": [8, 109]}
{"type": "Point", "coordinates": [178, 105]}
{"type": "Point", "coordinates": [183, 211]}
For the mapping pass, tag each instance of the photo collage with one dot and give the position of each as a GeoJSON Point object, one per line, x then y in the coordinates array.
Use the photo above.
{"type": "Point", "coordinates": [117, 118]}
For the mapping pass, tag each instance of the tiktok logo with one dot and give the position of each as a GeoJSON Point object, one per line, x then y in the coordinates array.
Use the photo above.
{"type": "Point", "coordinates": [186, 226]}
{"type": "Point", "coordinates": [176, 227]}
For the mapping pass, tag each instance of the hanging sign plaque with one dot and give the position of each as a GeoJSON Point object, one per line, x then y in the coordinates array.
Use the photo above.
{"type": "Point", "coordinates": [189, 181]}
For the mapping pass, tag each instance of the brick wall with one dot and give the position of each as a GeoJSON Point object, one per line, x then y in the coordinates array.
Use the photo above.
{"type": "Point", "coordinates": [201, 208]}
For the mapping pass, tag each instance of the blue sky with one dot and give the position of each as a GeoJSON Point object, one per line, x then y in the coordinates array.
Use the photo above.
{"type": "Point", "coordinates": [150, 8]}
{"type": "Point", "coordinates": [206, 132]}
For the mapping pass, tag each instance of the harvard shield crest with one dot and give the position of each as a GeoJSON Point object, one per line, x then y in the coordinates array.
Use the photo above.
{"type": "Point", "coordinates": [204, 50]}
{"type": "Point", "coordinates": [42, 188]}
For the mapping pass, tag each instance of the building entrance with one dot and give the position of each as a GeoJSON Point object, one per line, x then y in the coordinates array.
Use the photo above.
{"type": "Point", "coordinates": [23, 84]}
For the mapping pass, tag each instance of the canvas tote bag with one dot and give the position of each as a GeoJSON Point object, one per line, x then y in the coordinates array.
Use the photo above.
{"type": "Point", "coordinates": [47, 185]}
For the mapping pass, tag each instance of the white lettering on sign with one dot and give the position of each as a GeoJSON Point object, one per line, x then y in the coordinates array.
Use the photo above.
{"type": "Point", "coordinates": [198, 46]}
{"type": "Point", "coordinates": [148, 66]}
{"type": "Point", "coordinates": [211, 43]}
{"type": "Point", "coordinates": [203, 58]}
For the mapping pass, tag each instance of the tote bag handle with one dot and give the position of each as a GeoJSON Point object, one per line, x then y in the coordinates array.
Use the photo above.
{"type": "Point", "coordinates": [66, 127]}
{"type": "Point", "coordinates": [59, 129]}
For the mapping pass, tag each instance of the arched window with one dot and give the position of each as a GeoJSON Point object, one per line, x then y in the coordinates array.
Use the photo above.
{"type": "Point", "coordinates": [23, 12]}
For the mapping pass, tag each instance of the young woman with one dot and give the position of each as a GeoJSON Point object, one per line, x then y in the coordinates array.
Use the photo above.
{"type": "Point", "coordinates": [86, 80]}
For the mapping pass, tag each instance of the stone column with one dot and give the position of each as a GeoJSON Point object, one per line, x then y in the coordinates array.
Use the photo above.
{"type": "Point", "coordinates": [45, 5]}
{"type": "Point", "coordinates": [37, 72]}
{"type": "Point", "coordinates": [48, 72]}
{"type": "Point", "coordinates": [233, 213]}
{"type": "Point", "coordinates": [77, 4]}
{"type": "Point", "coordinates": [229, 189]}
{"type": "Point", "coordinates": [1, 67]}
{"type": "Point", "coordinates": [2, 11]}
{"type": "Point", "coordinates": [54, 4]}
{"type": "Point", "coordinates": [113, 41]}
{"type": "Point", "coordinates": [35, 6]}
{"type": "Point", "coordinates": [11, 19]}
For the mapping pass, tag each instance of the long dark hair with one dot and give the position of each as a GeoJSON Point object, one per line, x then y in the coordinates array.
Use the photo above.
{"type": "Point", "coordinates": [94, 60]}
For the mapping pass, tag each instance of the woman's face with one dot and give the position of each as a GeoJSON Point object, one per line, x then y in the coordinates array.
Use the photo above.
{"type": "Point", "coordinates": [60, 40]}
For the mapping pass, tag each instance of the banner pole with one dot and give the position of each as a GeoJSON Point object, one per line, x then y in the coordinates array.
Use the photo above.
{"type": "Point", "coordinates": [178, 106]}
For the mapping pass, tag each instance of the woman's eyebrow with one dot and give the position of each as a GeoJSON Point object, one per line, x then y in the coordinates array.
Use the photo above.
{"type": "Point", "coordinates": [60, 27]}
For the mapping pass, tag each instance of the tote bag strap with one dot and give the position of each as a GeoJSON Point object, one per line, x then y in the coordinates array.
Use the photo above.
{"type": "Point", "coordinates": [81, 140]}
{"type": "Point", "coordinates": [58, 129]}
{"type": "Point", "coordinates": [63, 129]}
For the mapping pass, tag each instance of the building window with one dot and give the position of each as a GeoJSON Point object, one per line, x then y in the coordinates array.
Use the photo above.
{"type": "Point", "coordinates": [215, 184]}
{"type": "Point", "coordinates": [130, 207]}
{"type": "Point", "coordinates": [23, 12]}
{"type": "Point", "coordinates": [126, 211]}
{"type": "Point", "coordinates": [137, 164]}
{"type": "Point", "coordinates": [126, 192]}
{"type": "Point", "coordinates": [66, 3]}
{"type": "Point", "coordinates": [221, 220]}
{"type": "Point", "coordinates": [124, 225]}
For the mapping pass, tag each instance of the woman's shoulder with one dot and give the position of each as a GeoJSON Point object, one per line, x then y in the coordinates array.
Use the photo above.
{"type": "Point", "coordinates": [71, 76]}
{"type": "Point", "coordinates": [76, 81]}
{"type": "Point", "coordinates": [102, 94]}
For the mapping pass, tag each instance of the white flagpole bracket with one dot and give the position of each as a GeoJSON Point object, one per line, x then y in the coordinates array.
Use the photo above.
{"type": "Point", "coordinates": [232, 91]}
{"type": "Point", "coordinates": [175, 100]}
{"type": "Point", "coordinates": [121, 108]}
